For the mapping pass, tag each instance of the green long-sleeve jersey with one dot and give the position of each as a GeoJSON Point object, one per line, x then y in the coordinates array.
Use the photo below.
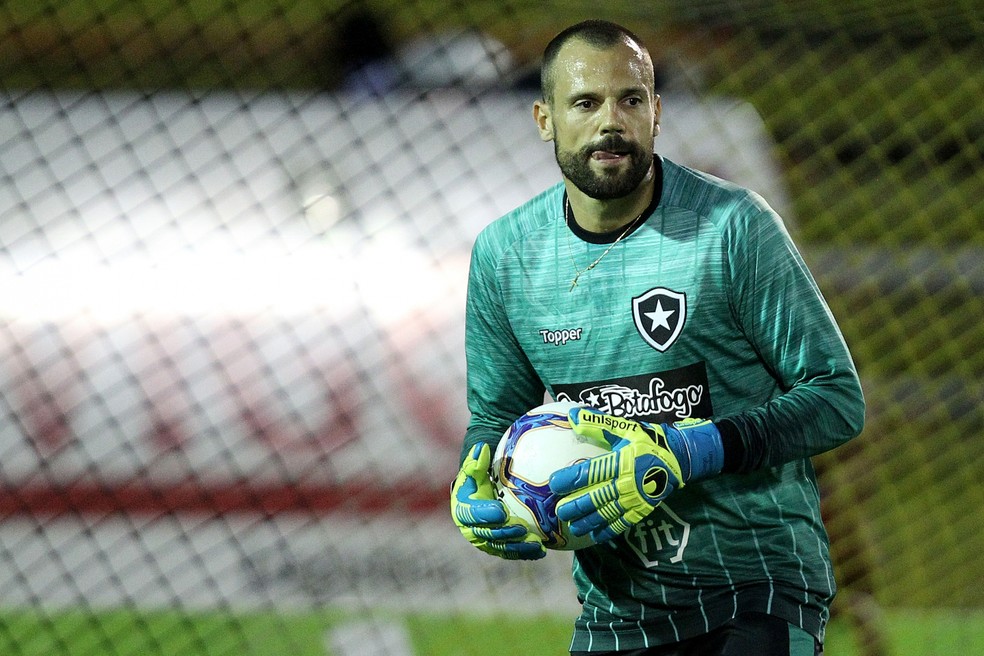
{"type": "Point", "coordinates": [705, 310]}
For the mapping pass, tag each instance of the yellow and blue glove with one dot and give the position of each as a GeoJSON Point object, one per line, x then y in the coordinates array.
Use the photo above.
{"type": "Point", "coordinates": [483, 519]}
{"type": "Point", "coordinates": [608, 494]}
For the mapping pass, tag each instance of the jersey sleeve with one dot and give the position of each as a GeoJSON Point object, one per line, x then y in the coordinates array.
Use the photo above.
{"type": "Point", "coordinates": [501, 382]}
{"type": "Point", "coordinates": [785, 317]}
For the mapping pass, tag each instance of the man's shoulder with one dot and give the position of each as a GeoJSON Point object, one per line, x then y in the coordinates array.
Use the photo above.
{"type": "Point", "coordinates": [687, 184]}
{"type": "Point", "coordinates": [700, 191]}
{"type": "Point", "coordinates": [542, 210]}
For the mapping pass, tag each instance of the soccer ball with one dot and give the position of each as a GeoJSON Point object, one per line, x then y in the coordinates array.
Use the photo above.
{"type": "Point", "coordinates": [532, 448]}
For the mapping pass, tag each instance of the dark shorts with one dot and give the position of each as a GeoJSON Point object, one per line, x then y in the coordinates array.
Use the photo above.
{"type": "Point", "coordinates": [749, 634]}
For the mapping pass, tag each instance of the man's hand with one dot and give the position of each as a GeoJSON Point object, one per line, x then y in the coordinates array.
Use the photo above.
{"type": "Point", "coordinates": [608, 494]}
{"type": "Point", "coordinates": [483, 519]}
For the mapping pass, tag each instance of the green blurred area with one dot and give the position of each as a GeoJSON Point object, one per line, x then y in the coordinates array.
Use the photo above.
{"type": "Point", "coordinates": [875, 110]}
{"type": "Point", "coordinates": [165, 633]}
{"type": "Point", "coordinates": [882, 142]}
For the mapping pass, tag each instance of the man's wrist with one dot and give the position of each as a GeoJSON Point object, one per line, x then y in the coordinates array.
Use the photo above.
{"type": "Point", "coordinates": [698, 446]}
{"type": "Point", "coordinates": [734, 446]}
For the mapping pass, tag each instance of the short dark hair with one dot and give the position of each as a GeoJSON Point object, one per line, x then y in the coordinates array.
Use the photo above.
{"type": "Point", "coordinates": [596, 33]}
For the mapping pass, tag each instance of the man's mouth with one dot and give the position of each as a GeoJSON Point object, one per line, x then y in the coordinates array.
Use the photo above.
{"type": "Point", "coordinates": [611, 151]}
{"type": "Point", "coordinates": [608, 156]}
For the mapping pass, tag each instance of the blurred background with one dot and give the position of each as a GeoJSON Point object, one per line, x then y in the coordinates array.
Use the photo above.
{"type": "Point", "coordinates": [234, 240]}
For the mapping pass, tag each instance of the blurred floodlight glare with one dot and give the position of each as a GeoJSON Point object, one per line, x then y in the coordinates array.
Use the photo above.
{"type": "Point", "coordinates": [321, 196]}
{"type": "Point", "coordinates": [383, 275]}
{"type": "Point", "coordinates": [322, 211]}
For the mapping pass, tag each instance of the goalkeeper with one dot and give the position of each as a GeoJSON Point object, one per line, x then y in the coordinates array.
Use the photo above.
{"type": "Point", "coordinates": [705, 354]}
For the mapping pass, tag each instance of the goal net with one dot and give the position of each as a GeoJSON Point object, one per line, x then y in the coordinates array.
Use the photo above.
{"type": "Point", "coordinates": [234, 242]}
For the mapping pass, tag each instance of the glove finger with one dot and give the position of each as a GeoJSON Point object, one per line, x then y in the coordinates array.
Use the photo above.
{"type": "Point", "coordinates": [588, 524]}
{"type": "Point", "coordinates": [587, 430]}
{"type": "Point", "coordinates": [600, 469]}
{"type": "Point", "coordinates": [570, 478]}
{"type": "Point", "coordinates": [511, 533]}
{"type": "Point", "coordinates": [479, 512]}
{"type": "Point", "coordinates": [611, 531]}
{"type": "Point", "coordinates": [593, 499]}
{"type": "Point", "coordinates": [473, 481]}
{"type": "Point", "coordinates": [481, 453]}
{"type": "Point", "coordinates": [530, 550]}
{"type": "Point", "coordinates": [592, 430]}
{"type": "Point", "coordinates": [574, 508]}
{"type": "Point", "coordinates": [476, 464]}
{"type": "Point", "coordinates": [608, 512]}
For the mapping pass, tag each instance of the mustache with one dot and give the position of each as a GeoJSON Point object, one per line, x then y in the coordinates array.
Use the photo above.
{"type": "Point", "coordinates": [613, 144]}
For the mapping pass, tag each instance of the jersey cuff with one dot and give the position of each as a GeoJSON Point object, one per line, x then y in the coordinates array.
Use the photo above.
{"type": "Point", "coordinates": [734, 448]}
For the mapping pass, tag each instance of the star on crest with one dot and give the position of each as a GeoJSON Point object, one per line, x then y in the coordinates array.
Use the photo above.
{"type": "Point", "coordinates": [659, 316]}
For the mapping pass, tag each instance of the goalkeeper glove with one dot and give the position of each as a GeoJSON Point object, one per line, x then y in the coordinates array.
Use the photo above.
{"type": "Point", "coordinates": [483, 519]}
{"type": "Point", "coordinates": [648, 462]}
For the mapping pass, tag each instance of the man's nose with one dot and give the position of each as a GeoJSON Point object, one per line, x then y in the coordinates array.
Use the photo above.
{"type": "Point", "coordinates": [612, 119]}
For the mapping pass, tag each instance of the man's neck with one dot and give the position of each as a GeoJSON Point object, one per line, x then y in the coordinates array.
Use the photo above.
{"type": "Point", "coordinates": [603, 216]}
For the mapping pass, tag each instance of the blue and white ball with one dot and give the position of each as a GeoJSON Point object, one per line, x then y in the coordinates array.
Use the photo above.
{"type": "Point", "coordinates": [532, 448]}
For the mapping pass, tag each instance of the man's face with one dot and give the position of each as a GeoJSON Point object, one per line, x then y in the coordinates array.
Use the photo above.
{"type": "Point", "coordinates": [602, 118]}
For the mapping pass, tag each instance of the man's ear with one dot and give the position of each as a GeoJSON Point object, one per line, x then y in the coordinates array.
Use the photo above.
{"type": "Point", "coordinates": [544, 123]}
{"type": "Point", "coordinates": [657, 110]}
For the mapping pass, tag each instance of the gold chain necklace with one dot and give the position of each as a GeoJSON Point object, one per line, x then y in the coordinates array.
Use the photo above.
{"type": "Point", "coordinates": [568, 217]}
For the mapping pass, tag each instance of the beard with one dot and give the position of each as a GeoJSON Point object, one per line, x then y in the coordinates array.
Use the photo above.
{"type": "Point", "coordinates": [608, 185]}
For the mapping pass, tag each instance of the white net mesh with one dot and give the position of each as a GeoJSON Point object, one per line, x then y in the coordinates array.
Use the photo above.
{"type": "Point", "coordinates": [233, 248]}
